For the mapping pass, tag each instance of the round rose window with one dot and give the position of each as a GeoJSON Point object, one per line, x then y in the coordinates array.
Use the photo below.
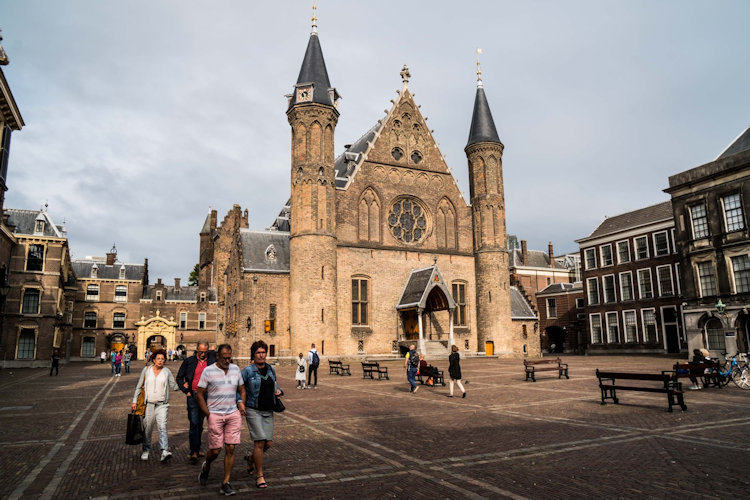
{"type": "Point", "coordinates": [407, 220]}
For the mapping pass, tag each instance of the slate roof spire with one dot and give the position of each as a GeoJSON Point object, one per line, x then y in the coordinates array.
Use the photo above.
{"type": "Point", "coordinates": [313, 72]}
{"type": "Point", "coordinates": [482, 125]}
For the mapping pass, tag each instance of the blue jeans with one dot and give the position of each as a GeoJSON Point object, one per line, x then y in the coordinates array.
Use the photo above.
{"type": "Point", "coordinates": [411, 373]}
{"type": "Point", "coordinates": [155, 412]}
{"type": "Point", "coordinates": [196, 417]}
{"type": "Point", "coordinates": [118, 366]}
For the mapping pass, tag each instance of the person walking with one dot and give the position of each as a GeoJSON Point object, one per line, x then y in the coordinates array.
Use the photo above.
{"type": "Point", "coordinates": [261, 388]}
{"type": "Point", "coordinates": [102, 357]}
{"type": "Point", "coordinates": [411, 363]}
{"type": "Point", "coordinates": [55, 363]}
{"type": "Point", "coordinates": [217, 397]}
{"type": "Point", "coordinates": [313, 361]}
{"type": "Point", "coordinates": [118, 364]}
{"type": "Point", "coordinates": [112, 355]}
{"type": "Point", "coordinates": [126, 359]}
{"type": "Point", "coordinates": [187, 378]}
{"type": "Point", "coordinates": [454, 371]}
{"type": "Point", "coordinates": [299, 374]}
{"type": "Point", "coordinates": [156, 380]}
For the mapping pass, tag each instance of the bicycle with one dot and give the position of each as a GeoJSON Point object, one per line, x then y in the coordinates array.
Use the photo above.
{"type": "Point", "coordinates": [736, 371]}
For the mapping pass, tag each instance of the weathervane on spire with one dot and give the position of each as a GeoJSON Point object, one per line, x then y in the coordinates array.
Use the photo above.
{"type": "Point", "coordinates": [315, 19]}
{"type": "Point", "coordinates": [479, 69]}
{"type": "Point", "coordinates": [405, 75]}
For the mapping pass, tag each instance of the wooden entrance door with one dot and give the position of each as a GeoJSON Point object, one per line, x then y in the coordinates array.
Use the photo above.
{"type": "Point", "coordinates": [489, 348]}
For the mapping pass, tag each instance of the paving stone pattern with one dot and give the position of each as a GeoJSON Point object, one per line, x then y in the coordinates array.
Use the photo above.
{"type": "Point", "coordinates": [63, 437]}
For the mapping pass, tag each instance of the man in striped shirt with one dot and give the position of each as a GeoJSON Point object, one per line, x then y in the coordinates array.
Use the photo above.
{"type": "Point", "coordinates": [217, 391]}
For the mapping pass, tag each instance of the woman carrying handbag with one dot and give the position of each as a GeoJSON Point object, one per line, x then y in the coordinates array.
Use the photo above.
{"type": "Point", "coordinates": [299, 375]}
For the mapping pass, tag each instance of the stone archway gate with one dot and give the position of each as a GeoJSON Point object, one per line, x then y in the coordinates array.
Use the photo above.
{"type": "Point", "coordinates": [156, 325]}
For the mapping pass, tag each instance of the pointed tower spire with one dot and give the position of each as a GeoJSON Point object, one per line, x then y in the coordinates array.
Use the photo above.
{"type": "Point", "coordinates": [482, 125]}
{"type": "Point", "coordinates": [313, 84]}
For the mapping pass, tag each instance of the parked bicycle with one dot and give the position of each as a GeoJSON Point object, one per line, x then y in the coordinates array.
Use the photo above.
{"type": "Point", "coordinates": [735, 370]}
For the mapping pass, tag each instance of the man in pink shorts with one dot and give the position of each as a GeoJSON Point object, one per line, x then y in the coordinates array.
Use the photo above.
{"type": "Point", "coordinates": [218, 389]}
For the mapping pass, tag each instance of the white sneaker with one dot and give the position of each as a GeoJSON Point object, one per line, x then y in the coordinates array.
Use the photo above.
{"type": "Point", "coordinates": [165, 455]}
{"type": "Point", "coordinates": [144, 455]}
{"type": "Point", "coordinates": [416, 388]}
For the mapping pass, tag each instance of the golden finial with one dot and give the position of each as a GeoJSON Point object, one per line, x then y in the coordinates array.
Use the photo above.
{"type": "Point", "coordinates": [315, 19]}
{"type": "Point", "coordinates": [479, 69]}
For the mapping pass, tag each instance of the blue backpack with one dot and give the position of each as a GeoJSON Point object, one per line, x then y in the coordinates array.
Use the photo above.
{"type": "Point", "coordinates": [315, 359]}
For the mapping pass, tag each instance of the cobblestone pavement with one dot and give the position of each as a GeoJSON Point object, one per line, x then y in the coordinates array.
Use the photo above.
{"type": "Point", "coordinates": [63, 437]}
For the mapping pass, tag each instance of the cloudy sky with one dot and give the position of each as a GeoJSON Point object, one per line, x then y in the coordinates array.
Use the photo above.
{"type": "Point", "coordinates": [142, 114]}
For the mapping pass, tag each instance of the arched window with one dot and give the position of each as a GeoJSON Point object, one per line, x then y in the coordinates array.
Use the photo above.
{"type": "Point", "coordinates": [459, 297]}
{"type": "Point", "coordinates": [714, 334]}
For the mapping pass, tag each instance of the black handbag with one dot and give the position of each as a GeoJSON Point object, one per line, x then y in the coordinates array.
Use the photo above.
{"type": "Point", "coordinates": [302, 368]}
{"type": "Point", "coordinates": [134, 434]}
{"type": "Point", "coordinates": [278, 406]}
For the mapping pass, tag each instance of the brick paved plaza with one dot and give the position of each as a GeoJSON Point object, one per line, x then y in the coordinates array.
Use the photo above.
{"type": "Point", "coordinates": [63, 437]}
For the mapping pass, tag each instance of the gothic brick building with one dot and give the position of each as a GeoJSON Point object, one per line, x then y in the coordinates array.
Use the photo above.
{"type": "Point", "coordinates": [376, 248]}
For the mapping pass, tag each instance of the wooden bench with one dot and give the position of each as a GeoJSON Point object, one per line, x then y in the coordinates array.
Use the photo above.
{"type": "Point", "coordinates": [370, 369]}
{"type": "Point", "coordinates": [664, 384]}
{"type": "Point", "coordinates": [531, 366]}
{"type": "Point", "coordinates": [437, 377]}
{"type": "Point", "coordinates": [708, 373]}
{"type": "Point", "coordinates": [338, 368]}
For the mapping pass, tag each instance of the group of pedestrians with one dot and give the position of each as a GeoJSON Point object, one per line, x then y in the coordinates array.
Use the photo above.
{"type": "Point", "coordinates": [413, 362]}
{"type": "Point", "coordinates": [307, 366]}
{"type": "Point", "coordinates": [216, 390]}
{"type": "Point", "coordinates": [118, 359]}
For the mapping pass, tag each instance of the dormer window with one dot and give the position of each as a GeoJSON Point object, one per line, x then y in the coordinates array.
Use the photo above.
{"type": "Point", "coordinates": [203, 296]}
{"type": "Point", "coordinates": [39, 226]}
{"type": "Point", "coordinates": [158, 295]}
{"type": "Point", "coordinates": [122, 272]}
{"type": "Point", "coordinates": [94, 271]}
{"type": "Point", "coordinates": [271, 253]}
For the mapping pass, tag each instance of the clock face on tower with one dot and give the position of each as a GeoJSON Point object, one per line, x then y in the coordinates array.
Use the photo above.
{"type": "Point", "coordinates": [304, 94]}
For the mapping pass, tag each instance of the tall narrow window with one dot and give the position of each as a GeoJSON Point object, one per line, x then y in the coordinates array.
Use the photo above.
{"type": "Point", "coordinates": [661, 243]}
{"type": "Point", "coordinates": [202, 321]}
{"type": "Point", "coordinates": [645, 287]}
{"type": "Point", "coordinates": [89, 319]}
{"type": "Point", "coordinates": [664, 275]}
{"type": "Point", "coordinates": [118, 320]}
{"type": "Point", "coordinates": [715, 335]}
{"type": "Point", "coordinates": [183, 320]}
{"type": "Point", "coordinates": [92, 292]}
{"type": "Point", "coordinates": [31, 301]}
{"type": "Point", "coordinates": [590, 257]}
{"type": "Point", "coordinates": [87, 347]}
{"type": "Point", "coordinates": [741, 269]}
{"type": "Point", "coordinates": [360, 297]}
{"type": "Point", "coordinates": [26, 344]}
{"type": "Point", "coordinates": [608, 284]}
{"type": "Point", "coordinates": [631, 329]}
{"type": "Point", "coordinates": [649, 325]}
{"type": "Point", "coordinates": [595, 321]}
{"type": "Point", "coordinates": [551, 308]}
{"type": "Point", "coordinates": [706, 278]}
{"type": "Point", "coordinates": [623, 252]}
{"type": "Point", "coordinates": [606, 254]}
{"type": "Point", "coordinates": [699, 221]}
{"type": "Point", "coordinates": [641, 248]}
{"type": "Point", "coordinates": [121, 293]}
{"type": "Point", "coordinates": [613, 328]}
{"type": "Point", "coordinates": [592, 286]}
{"type": "Point", "coordinates": [733, 215]}
{"type": "Point", "coordinates": [459, 297]}
{"type": "Point", "coordinates": [626, 286]}
{"type": "Point", "coordinates": [35, 258]}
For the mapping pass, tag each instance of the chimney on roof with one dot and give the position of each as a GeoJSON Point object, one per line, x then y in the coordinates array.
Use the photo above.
{"type": "Point", "coordinates": [112, 256]}
{"type": "Point", "coordinates": [523, 252]}
{"type": "Point", "coordinates": [158, 281]}
{"type": "Point", "coordinates": [177, 283]}
{"type": "Point", "coordinates": [551, 255]}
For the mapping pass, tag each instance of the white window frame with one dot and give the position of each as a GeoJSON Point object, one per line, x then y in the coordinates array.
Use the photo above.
{"type": "Point", "coordinates": [611, 255]}
{"type": "Point", "coordinates": [124, 320]}
{"type": "Point", "coordinates": [627, 247]}
{"type": "Point", "coordinates": [650, 280]}
{"type": "Point", "coordinates": [607, 316]}
{"type": "Point", "coordinates": [698, 277]}
{"type": "Point", "coordinates": [635, 247]}
{"type": "Point", "coordinates": [656, 248]}
{"type": "Point", "coordinates": [677, 278]}
{"type": "Point", "coordinates": [201, 321]}
{"type": "Point", "coordinates": [632, 289]}
{"type": "Point", "coordinates": [644, 326]}
{"type": "Point", "coordinates": [586, 258]}
{"type": "Point", "coordinates": [95, 297]}
{"type": "Point", "coordinates": [733, 274]}
{"type": "Point", "coordinates": [183, 320]}
{"type": "Point", "coordinates": [551, 305]}
{"type": "Point", "coordinates": [591, 332]}
{"type": "Point", "coordinates": [39, 301]}
{"type": "Point", "coordinates": [605, 299]}
{"type": "Point", "coordinates": [671, 280]}
{"type": "Point", "coordinates": [96, 314]}
{"type": "Point", "coordinates": [692, 221]}
{"type": "Point", "coordinates": [625, 325]}
{"type": "Point", "coordinates": [121, 298]}
{"type": "Point", "coordinates": [93, 341]}
{"type": "Point", "coordinates": [724, 212]}
{"type": "Point", "coordinates": [588, 291]}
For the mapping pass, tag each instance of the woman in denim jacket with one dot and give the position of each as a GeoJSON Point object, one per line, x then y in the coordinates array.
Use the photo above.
{"type": "Point", "coordinates": [261, 389]}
